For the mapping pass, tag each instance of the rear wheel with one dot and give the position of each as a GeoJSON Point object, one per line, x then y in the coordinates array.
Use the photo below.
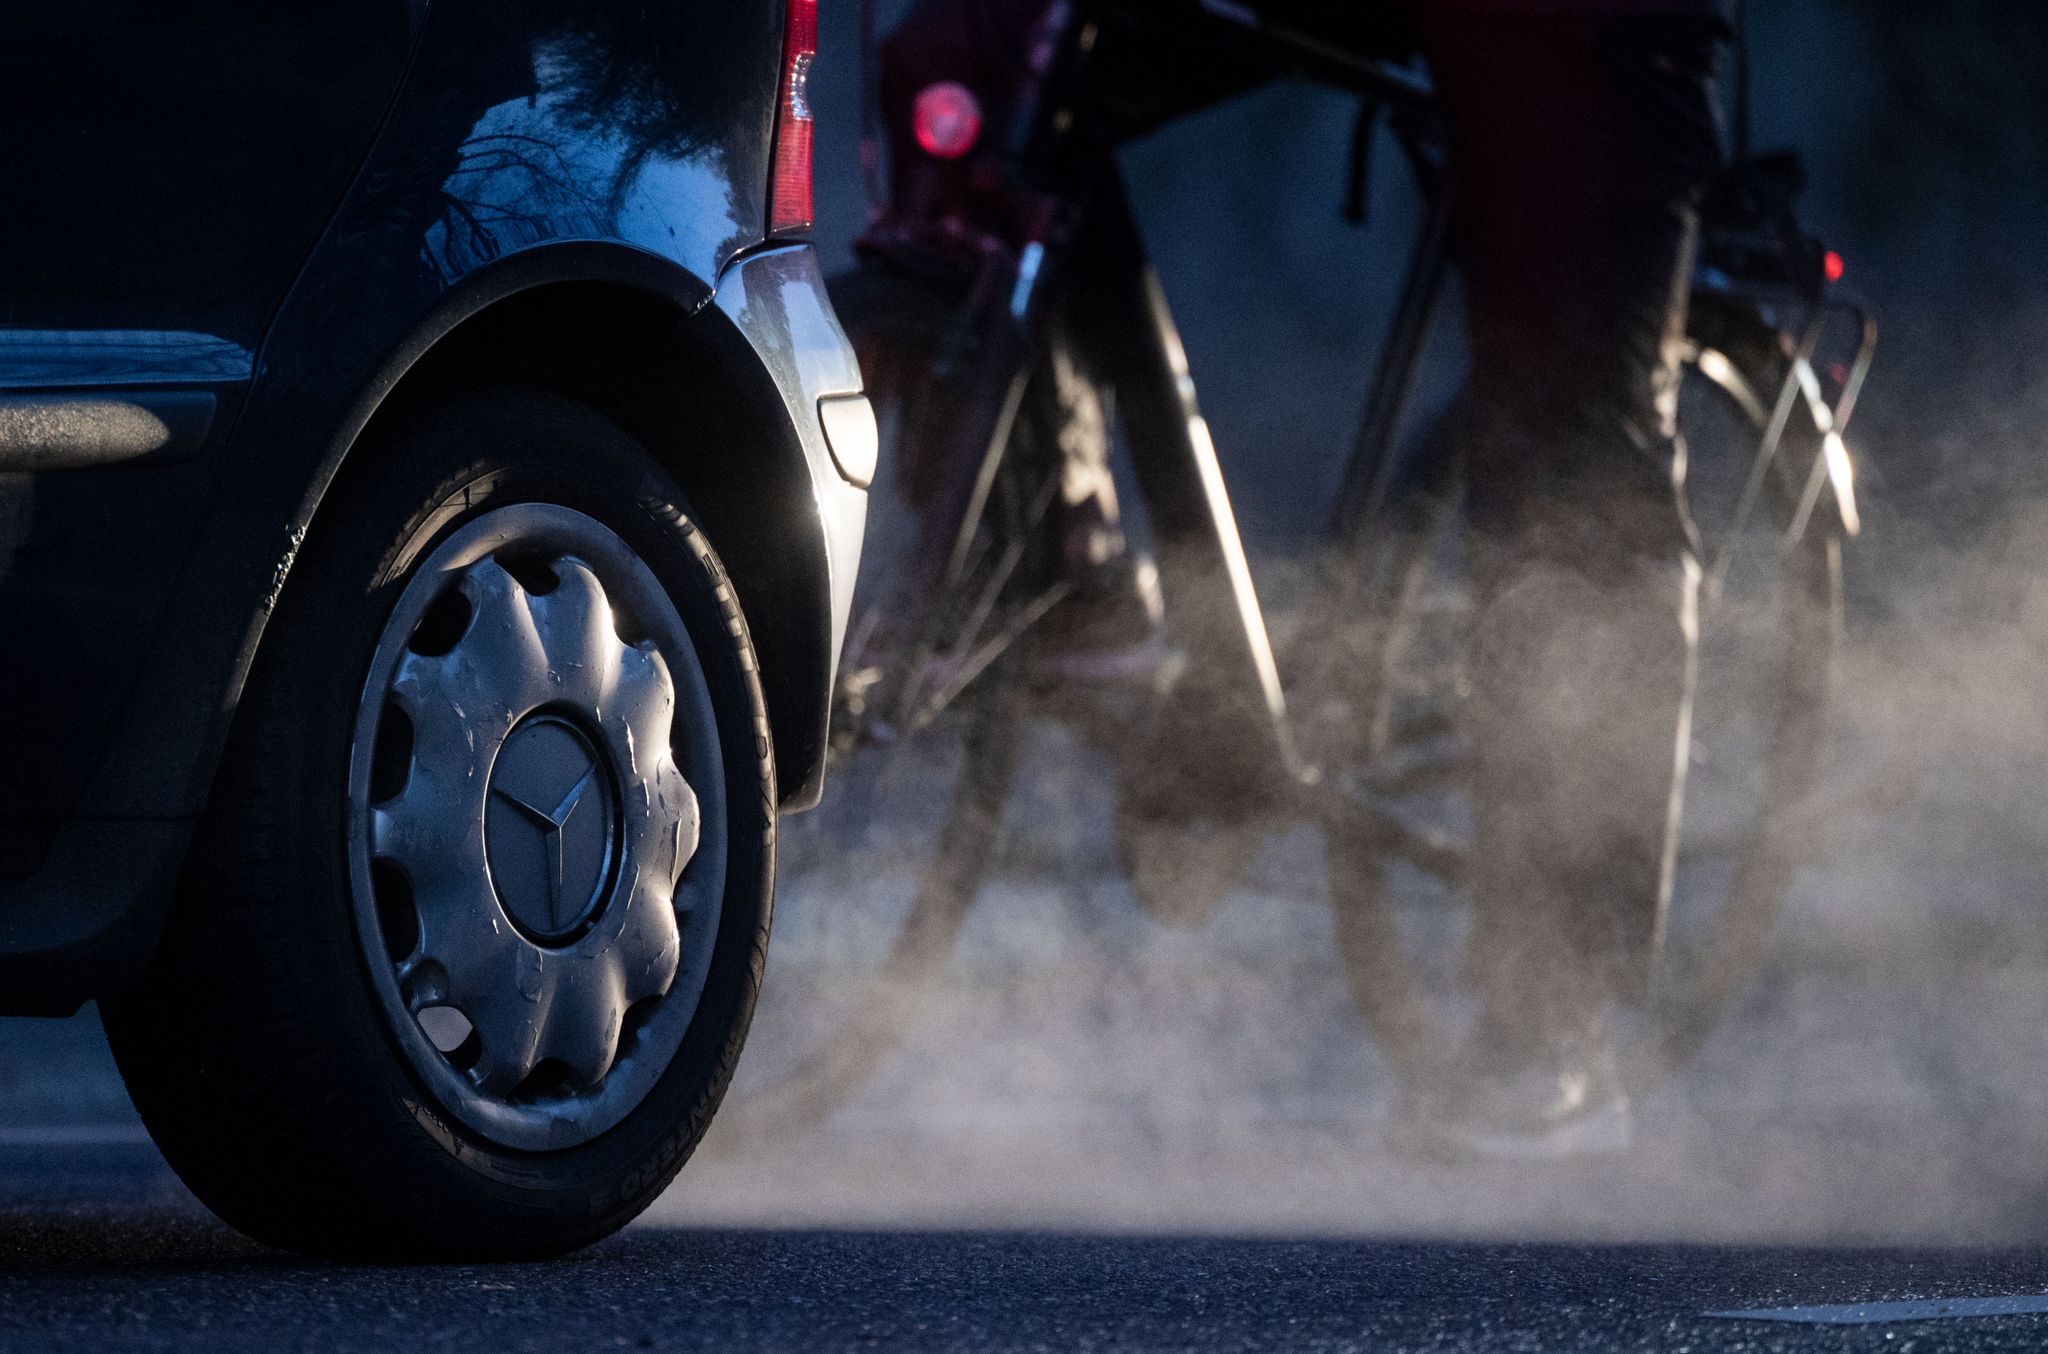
{"type": "Point", "coordinates": [468, 942]}
{"type": "Point", "coordinates": [1399, 803]}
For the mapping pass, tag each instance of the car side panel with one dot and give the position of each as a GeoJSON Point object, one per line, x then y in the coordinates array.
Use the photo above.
{"type": "Point", "coordinates": [521, 127]}
{"type": "Point", "coordinates": [531, 141]}
{"type": "Point", "coordinates": [169, 167]}
{"type": "Point", "coordinates": [171, 162]}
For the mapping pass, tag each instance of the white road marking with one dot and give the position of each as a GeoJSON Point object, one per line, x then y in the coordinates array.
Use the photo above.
{"type": "Point", "coordinates": [1872, 1313]}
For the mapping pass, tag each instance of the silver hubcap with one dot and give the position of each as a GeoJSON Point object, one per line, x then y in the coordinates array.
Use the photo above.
{"type": "Point", "coordinates": [548, 828]}
{"type": "Point", "coordinates": [537, 826]}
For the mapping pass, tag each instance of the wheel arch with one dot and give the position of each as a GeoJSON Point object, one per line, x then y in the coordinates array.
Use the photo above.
{"type": "Point", "coordinates": [681, 379]}
{"type": "Point", "coordinates": [661, 359]}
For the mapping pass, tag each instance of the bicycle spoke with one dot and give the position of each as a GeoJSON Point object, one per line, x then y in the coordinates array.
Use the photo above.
{"type": "Point", "coordinates": [985, 480]}
{"type": "Point", "coordinates": [1718, 369]}
{"type": "Point", "coordinates": [1013, 554]}
{"type": "Point", "coordinates": [978, 662]}
{"type": "Point", "coordinates": [914, 709]}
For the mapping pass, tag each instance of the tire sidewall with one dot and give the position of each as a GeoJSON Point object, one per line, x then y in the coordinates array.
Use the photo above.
{"type": "Point", "coordinates": [445, 468]}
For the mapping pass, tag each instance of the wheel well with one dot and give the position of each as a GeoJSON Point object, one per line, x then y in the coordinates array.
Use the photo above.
{"type": "Point", "coordinates": [691, 390]}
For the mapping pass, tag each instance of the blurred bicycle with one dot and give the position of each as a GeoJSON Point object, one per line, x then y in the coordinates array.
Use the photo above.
{"type": "Point", "coordinates": [1014, 339]}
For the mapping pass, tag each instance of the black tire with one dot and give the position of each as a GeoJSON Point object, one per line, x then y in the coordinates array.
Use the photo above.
{"type": "Point", "coordinates": [255, 1047]}
{"type": "Point", "coordinates": [1398, 992]}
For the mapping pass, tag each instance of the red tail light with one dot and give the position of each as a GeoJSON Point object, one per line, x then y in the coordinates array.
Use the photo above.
{"type": "Point", "coordinates": [789, 192]}
{"type": "Point", "coordinates": [947, 119]}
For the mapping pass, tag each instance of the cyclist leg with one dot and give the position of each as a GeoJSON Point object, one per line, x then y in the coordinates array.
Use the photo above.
{"type": "Point", "coordinates": [1581, 144]}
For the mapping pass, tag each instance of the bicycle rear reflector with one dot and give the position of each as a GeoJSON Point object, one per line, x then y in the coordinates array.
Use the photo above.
{"type": "Point", "coordinates": [947, 119]}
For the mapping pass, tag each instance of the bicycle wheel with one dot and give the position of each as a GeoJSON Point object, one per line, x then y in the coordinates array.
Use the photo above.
{"type": "Point", "coordinates": [874, 884]}
{"type": "Point", "coordinates": [1398, 807]}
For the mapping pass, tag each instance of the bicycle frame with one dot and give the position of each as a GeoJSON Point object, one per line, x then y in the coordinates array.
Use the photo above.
{"type": "Point", "coordinates": [1077, 251]}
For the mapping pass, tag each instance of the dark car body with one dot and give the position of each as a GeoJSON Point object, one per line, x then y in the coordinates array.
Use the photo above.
{"type": "Point", "coordinates": [232, 236]}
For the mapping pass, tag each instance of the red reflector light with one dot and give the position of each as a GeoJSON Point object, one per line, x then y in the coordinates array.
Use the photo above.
{"type": "Point", "coordinates": [789, 191]}
{"type": "Point", "coordinates": [1831, 265]}
{"type": "Point", "coordinates": [947, 119]}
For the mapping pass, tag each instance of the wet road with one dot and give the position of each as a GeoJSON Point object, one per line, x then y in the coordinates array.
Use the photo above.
{"type": "Point", "coordinates": [98, 1251]}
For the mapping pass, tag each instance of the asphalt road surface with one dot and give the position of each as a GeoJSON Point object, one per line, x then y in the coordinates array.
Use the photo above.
{"type": "Point", "coordinates": [98, 1252]}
